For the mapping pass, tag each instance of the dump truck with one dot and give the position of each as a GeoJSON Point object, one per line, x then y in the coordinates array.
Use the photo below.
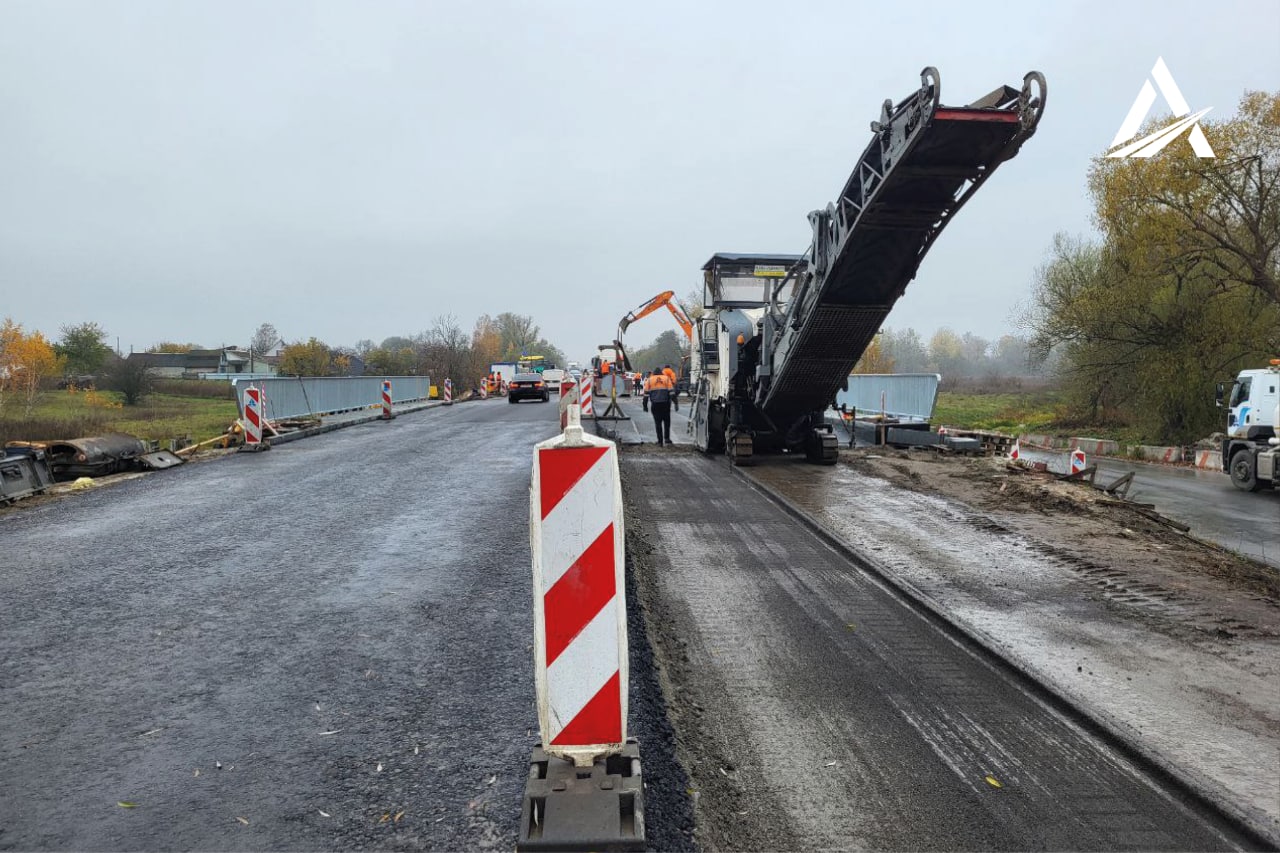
{"type": "Point", "coordinates": [781, 332]}
{"type": "Point", "coordinates": [1251, 449]}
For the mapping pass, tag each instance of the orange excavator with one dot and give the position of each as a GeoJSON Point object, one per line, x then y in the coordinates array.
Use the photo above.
{"type": "Point", "coordinates": [665, 299]}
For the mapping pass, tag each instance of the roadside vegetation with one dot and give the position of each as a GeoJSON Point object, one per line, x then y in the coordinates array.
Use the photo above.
{"type": "Point", "coordinates": [1183, 289]}
{"type": "Point", "coordinates": [66, 413]}
{"type": "Point", "coordinates": [1037, 409]}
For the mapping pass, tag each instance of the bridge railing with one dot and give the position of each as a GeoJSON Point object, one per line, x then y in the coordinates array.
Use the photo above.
{"type": "Point", "coordinates": [298, 396]}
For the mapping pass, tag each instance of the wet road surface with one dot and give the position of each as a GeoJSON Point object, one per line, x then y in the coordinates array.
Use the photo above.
{"type": "Point", "coordinates": [818, 710]}
{"type": "Point", "coordinates": [281, 650]}
{"type": "Point", "coordinates": [1206, 500]}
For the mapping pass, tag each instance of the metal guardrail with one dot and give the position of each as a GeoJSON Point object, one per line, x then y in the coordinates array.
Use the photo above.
{"type": "Point", "coordinates": [298, 396]}
{"type": "Point", "coordinates": [906, 395]}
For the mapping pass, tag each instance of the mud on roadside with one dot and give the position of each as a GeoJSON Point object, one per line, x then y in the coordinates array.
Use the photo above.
{"type": "Point", "coordinates": [1071, 518]}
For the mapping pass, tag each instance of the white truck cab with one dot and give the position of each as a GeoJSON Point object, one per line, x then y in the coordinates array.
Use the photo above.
{"type": "Point", "coordinates": [1253, 399]}
{"type": "Point", "coordinates": [1251, 451]}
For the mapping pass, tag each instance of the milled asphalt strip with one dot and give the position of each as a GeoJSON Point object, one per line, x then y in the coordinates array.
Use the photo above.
{"type": "Point", "coordinates": [1198, 790]}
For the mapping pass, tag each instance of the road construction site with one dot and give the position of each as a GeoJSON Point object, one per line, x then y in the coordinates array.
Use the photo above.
{"type": "Point", "coordinates": [809, 646]}
{"type": "Point", "coordinates": [325, 646]}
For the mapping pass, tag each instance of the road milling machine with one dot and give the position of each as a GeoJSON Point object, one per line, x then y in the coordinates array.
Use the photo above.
{"type": "Point", "coordinates": [781, 333]}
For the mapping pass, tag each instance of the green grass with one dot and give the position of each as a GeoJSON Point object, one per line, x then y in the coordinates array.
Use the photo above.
{"type": "Point", "coordinates": [1038, 411]}
{"type": "Point", "coordinates": [62, 415]}
{"type": "Point", "coordinates": [1032, 411]}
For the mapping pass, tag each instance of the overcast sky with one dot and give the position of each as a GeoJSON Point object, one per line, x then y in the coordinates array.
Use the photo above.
{"type": "Point", "coordinates": [188, 170]}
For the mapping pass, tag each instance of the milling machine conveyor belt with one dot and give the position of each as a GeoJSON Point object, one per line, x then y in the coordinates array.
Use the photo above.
{"type": "Point", "coordinates": [925, 161]}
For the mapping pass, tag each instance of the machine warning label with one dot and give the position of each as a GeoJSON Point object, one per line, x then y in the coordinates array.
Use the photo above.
{"type": "Point", "coordinates": [770, 271]}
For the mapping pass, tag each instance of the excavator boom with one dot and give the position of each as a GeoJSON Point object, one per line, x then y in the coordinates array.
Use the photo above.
{"type": "Point", "coordinates": [665, 299]}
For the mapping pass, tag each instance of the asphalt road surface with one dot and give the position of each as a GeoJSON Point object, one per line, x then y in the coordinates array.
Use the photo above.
{"type": "Point", "coordinates": [326, 646]}
{"type": "Point", "coordinates": [818, 710]}
{"type": "Point", "coordinates": [1215, 509]}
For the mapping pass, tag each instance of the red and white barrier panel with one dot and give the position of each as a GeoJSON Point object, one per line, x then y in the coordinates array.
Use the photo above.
{"type": "Point", "coordinates": [588, 410]}
{"type": "Point", "coordinates": [448, 392]}
{"type": "Point", "coordinates": [1055, 461]}
{"type": "Point", "coordinates": [386, 400]}
{"type": "Point", "coordinates": [253, 420]}
{"type": "Point", "coordinates": [580, 613]}
{"type": "Point", "coordinates": [484, 390]}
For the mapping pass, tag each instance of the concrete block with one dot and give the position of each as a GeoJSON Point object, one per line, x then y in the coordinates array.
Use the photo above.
{"type": "Point", "coordinates": [1096, 446]}
{"type": "Point", "coordinates": [1155, 453]}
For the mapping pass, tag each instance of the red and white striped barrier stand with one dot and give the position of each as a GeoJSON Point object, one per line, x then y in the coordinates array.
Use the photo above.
{"type": "Point", "coordinates": [580, 651]}
{"type": "Point", "coordinates": [253, 440]}
{"type": "Point", "coordinates": [386, 400]}
{"type": "Point", "coordinates": [484, 390]}
{"type": "Point", "coordinates": [568, 389]}
{"type": "Point", "coordinates": [580, 614]}
{"type": "Point", "coordinates": [448, 392]}
{"type": "Point", "coordinates": [588, 410]}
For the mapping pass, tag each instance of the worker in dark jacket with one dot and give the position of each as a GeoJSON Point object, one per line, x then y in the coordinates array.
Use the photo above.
{"type": "Point", "coordinates": [658, 389]}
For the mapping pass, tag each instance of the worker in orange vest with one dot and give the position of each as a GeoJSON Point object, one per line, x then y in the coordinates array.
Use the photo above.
{"type": "Point", "coordinates": [671, 374]}
{"type": "Point", "coordinates": [658, 390]}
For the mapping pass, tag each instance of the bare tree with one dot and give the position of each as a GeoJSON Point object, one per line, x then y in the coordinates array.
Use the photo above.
{"type": "Point", "coordinates": [265, 339]}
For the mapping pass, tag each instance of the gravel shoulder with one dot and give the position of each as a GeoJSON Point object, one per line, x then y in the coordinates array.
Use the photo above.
{"type": "Point", "coordinates": [1173, 642]}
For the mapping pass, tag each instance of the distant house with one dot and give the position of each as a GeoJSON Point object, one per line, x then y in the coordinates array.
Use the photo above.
{"type": "Point", "coordinates": [199, 363]}
{"type": "Point", "coordinates": [202, 361]}
{"type": "Point", "coordinates": [171, 365]}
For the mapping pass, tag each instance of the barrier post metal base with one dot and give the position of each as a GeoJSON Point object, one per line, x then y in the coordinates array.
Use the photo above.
{"type": "Point", "coordinates": [600, 807]}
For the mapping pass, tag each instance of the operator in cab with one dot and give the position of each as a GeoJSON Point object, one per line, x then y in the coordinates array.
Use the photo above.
{"type": "Point", "coordinates": [658, 390]}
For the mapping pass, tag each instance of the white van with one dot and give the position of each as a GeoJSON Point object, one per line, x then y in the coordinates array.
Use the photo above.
{"type": "Point", "coordinates": [553, 376]}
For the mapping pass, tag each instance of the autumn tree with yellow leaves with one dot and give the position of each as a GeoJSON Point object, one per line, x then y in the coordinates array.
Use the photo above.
{"type": "Point", "coordinates": [27, 361]}
{"type": "Point", "coordinates": [1181, 291]}
{"type": "Point", "coordinates": [313, 358]}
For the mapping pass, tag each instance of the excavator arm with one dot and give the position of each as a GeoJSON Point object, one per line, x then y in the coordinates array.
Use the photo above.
{"type": "Point", "coordinates": [665, 299]}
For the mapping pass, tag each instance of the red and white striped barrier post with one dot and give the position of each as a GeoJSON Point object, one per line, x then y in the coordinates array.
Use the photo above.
{"type": "Point", "coordinates": [568, 399]}
{"type": "Point", "coordinates": [580, 651]}
{"type": "Point", "coordinates": [580, 614]}
{"type": "Point", "coordinates": [448, 392]}
{"type": "Point", "coordinates": [484, 389]}
{"type": "Point", "coordinates": [253, 420]}
{"type": "Point", "coordinates": [584, 392]}
{"type": "Point", "coordinates": [386, 400]}
{"type": "Point", "coordinates": [1054, 461]}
